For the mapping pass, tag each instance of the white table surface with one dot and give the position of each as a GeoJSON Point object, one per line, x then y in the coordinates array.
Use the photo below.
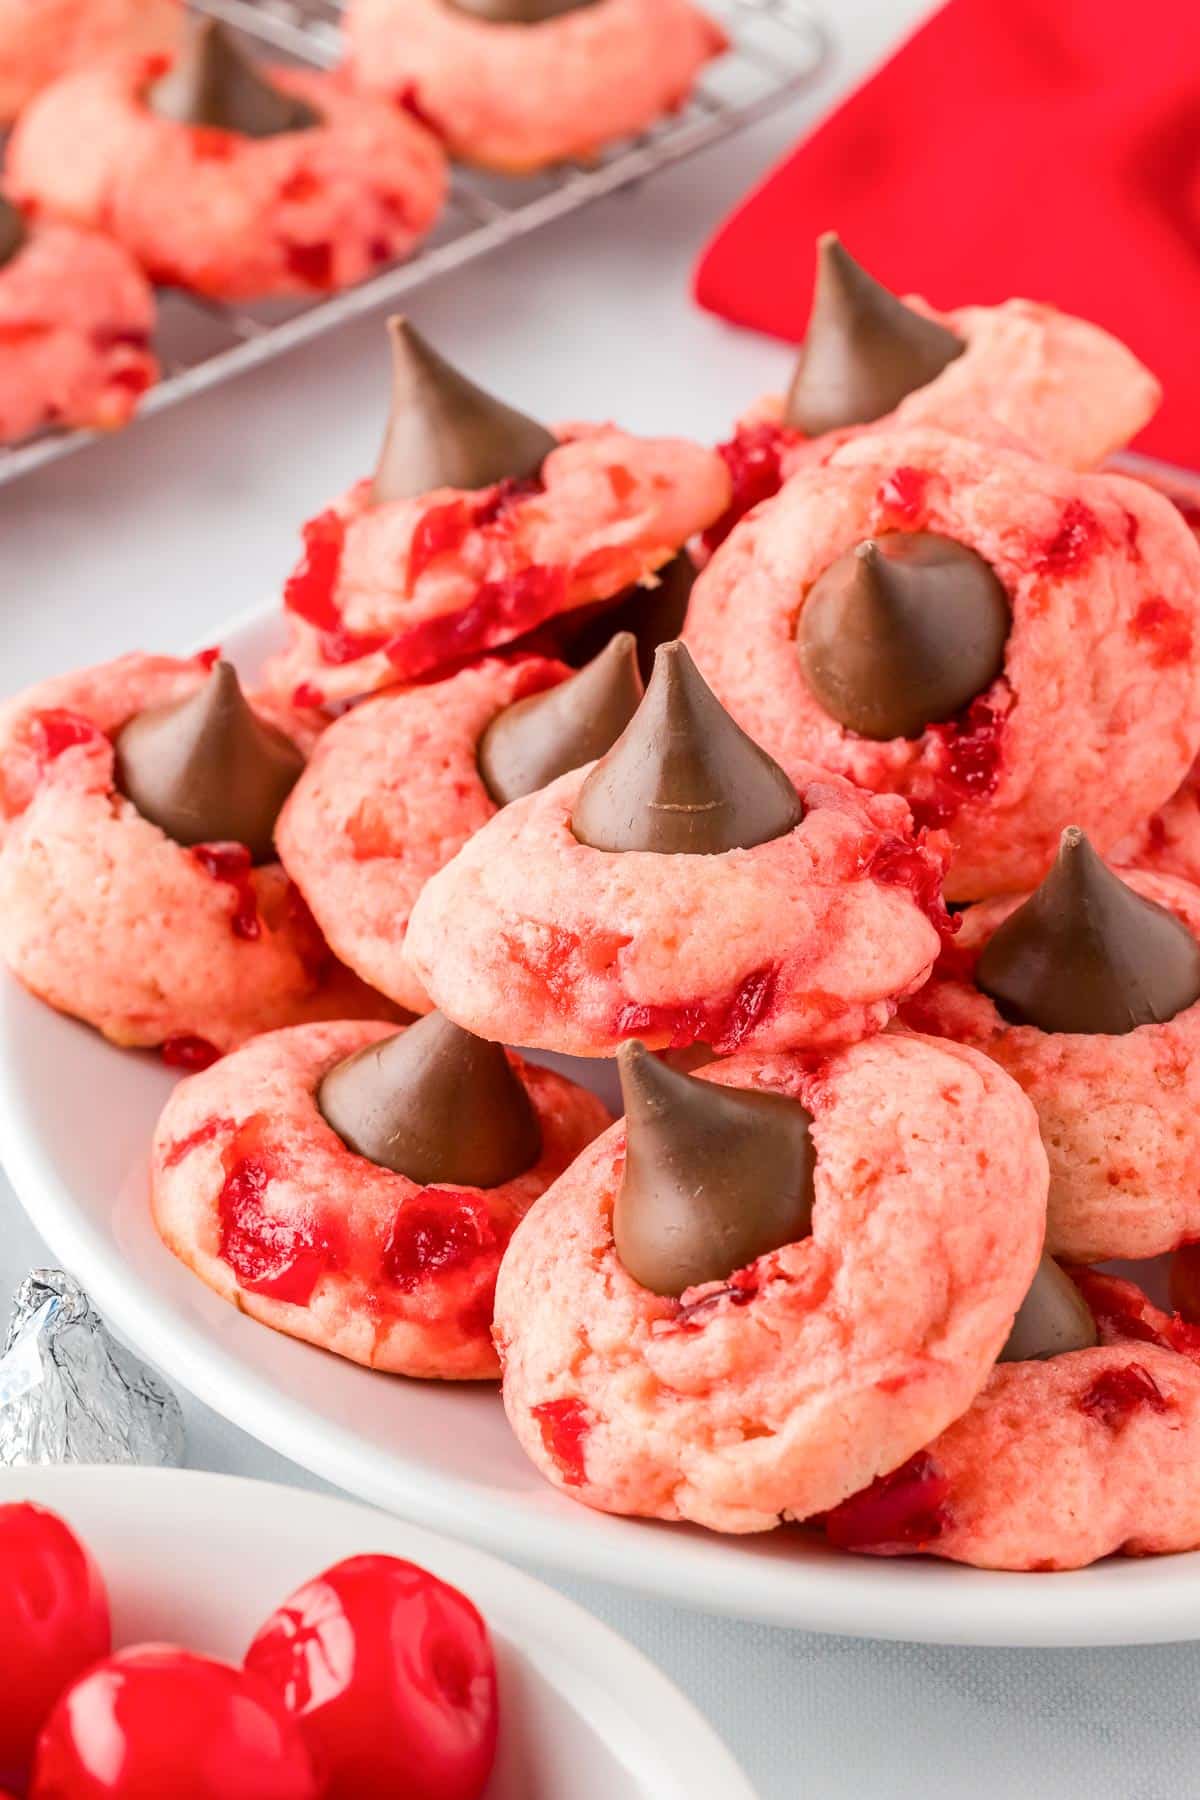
{"type": "Point", "coordinates": [153, 539]}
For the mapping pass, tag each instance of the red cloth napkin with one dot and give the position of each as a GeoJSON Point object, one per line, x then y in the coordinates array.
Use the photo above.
{"type": "Point", "coordinates": [1042, 148]}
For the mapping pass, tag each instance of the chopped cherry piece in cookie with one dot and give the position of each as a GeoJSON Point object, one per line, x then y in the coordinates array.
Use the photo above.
{"type": "Point", "coordinates": [184, 1051]}
{"type": "Point", "coordinates": [390, 1675]}
{"type": "Point", "coordinates": [59, 730]}
{"type": "Point", "coordinates": [897, 1515]}
{"type": "Point", "coordinates": [564, 1425]}
{"type": "Point", "coordinates": [439, 1232]}
{"type": "Point", "coordinates": [281, 1258]}
{"type": "Point", "coordinates": [1116, 1394]}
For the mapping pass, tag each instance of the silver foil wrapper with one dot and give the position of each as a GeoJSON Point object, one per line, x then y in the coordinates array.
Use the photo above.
{"type": "Point", "coordinates": [69, 1393]}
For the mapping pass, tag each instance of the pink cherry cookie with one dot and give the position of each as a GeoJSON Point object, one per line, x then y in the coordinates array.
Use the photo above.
{"type": "Point", "coordinates": [260, 1197]}
{"type": "Point", "coordinates": [227, 214]}
{"type": "Point", "coordinates": [810, 938]}
{"type": "Point", "coordinates": [775, 1392]}
{"type": "Point", "coordinates": [390, 794]}
{"type": "Point", "coordinates": [391, 592]}
{"type": "Point", "coordinates": [1051, 384]}
{"type": "Point", "coordinates": [109, 919]}
{"type": "Point", "coordinates": [39, 43]}
{"type": "Point", "coordinates": [516, 96]}
{"type": "Point", "coordinates": [1058, 1462]}
{"type": "Point", "coordinates": [76, 316]}
{"type": "Point", "coordinates": [1119, 1112]}
{"type": "Point", "coordinates": [1102, 579]}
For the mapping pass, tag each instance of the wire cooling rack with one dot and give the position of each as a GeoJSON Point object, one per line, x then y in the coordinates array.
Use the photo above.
{"type": "Point", "coordinates": [776, 47]}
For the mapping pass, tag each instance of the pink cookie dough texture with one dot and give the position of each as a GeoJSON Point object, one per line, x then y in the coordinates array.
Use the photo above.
{"type": "Point", "coordinates": [516, 97]}
{"type": "Point", "coordinates": [812, 938]}
{"type": "Point", "coordinates": [257, 1195]}
{"type": "Point", "coordinates": [1061, 1462]}
{"type": "Point", "coordinates": [1095, 719]}
{"type": "Point", "coordinates": [76, 314]}
{"type": "Point", "coordinates": [225, 215]}
{"type": "Point", "coordinates": [1120, 1116]}
{"type": "Point", "coordinates": [41, 39]}
{"type": "Point", "coordinates": [821, 1365]}
{"type": "Point", "coordinates": [391, 793]}
{"type": "Point", "coordinates": [107, 919]}
{"type": "Point", "coordinates": [388, 593]}
{"type": "Point", "coordinates": [1168, 842]}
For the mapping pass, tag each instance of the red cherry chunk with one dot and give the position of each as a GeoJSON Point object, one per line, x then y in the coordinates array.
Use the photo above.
{"type": "Point", "coordinates": [53, 1622]}
{"type": "Point", "coordinates": [390, 1675]}
{"type": "Point", "coordinates": [157, 1721]}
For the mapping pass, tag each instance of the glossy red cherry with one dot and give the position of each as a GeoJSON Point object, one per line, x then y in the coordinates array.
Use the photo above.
{"type": "Point", "coordinates": [391, 1675]}
{"type": "Point", "coordinates": [156, 1721]}
{"type": "Point", "coordinates": [53, 1623]}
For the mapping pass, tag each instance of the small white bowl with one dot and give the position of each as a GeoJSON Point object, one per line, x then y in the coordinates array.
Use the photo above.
{"type": "Point", "coordinates": [202, 1560]}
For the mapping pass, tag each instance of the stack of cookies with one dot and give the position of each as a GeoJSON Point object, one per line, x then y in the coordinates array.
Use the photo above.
{"type": "Point", "coordinates": [834, 781]}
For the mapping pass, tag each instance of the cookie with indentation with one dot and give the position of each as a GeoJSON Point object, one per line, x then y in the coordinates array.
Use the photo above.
{"type": "Point", "coordinates": [400, 783]}
{"type": "Point", "coordinates": [1066, 1457]}
{"type": "Point", "coordinates": [76, 318]}
{"type": "Point", "coordinates": [478, 526]}
{"type": "Point", "coordinates": [1046, 621]}
{"type": "Point", "coordinates": [1087, 994]}
{"type": "Point", "coordinates": [518, 84]}
{"type": "Point", "coordinates": [279, 1178]}
{"type": "Point", "coordinates": [857, 1229]}
{"type": "Point", "coordinates": [235, 182]}
{"type": "Point", "coordinates": [1058, 386]}
{"type": "Point", "coordinates": [681, 890]}
{"type": "Point", "coordinates": [138, 886]}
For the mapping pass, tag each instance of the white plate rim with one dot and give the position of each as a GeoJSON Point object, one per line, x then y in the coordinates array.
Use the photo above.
{"type": "Point", "coordinates": [1120, 1601]}
{"type": "Point", "coordinates": [540, 1622]}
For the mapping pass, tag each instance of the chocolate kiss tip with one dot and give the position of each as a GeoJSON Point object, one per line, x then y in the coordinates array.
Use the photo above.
{"type": "Point", "coordinates": [214, 83]}
{"type": "Point", "coordinates": [714, 1176]}
{"type": "Point", "coordinates": [1052, 1319]}
{"type": "Point", "coordinates": [207, 769]}
{"type": "Point", "coordinates": [12, 231]}
{"type": "Point", "coordinates": [683, 778]}
{"type": "Point", "coordinates": [865, 350]}
{"type": "Point", "coordinates": [445, 432]}
{"type": "Point", "coordinates": [901, 632]}
{"type": "Point", "coordinates": [535, 740]}
{"type": "Point", "coordinates": [1086, 954]}
{"type": "Point", "coordinates": [436, 1104]}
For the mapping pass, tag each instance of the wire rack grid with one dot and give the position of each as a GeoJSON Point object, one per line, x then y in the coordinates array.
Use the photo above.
{"type": "Point", "coordinates": [776, 48]}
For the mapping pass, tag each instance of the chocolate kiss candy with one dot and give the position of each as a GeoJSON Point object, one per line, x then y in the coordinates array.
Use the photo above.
{"type": "Point", "coordinates": [214, 83]}
{"type": "Point", "coordinates": [714, 1176]}
{"type": "Point", "coordinates": [1052, 1318]}
{"type": "Point", "coordinates": [12, 231]}
{"type": "Point", "coordinates": [654, 611]}
{"type": "Point", "coordinates": [435, 1104]}
{"type": "Point", "coordinates": [207, 769]}
{"type": "Point", "coordinates": [534, 740]}
{"type": "Point", "coordinates": [518, 12]}
{"type": "Point", "coordinates": [864, 351]}
{"type": "Point", "coordinates": [902, 631]}
{"type": "Point", "coordinates": [1086, 954]}
{"type": "Point", "coordinates": [682, 777]}
{"type": "Point", "coordinates": [446, 432]}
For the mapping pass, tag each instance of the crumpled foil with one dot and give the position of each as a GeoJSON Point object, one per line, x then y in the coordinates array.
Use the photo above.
{"type": "Point", "coordinates": [69, 1393]}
